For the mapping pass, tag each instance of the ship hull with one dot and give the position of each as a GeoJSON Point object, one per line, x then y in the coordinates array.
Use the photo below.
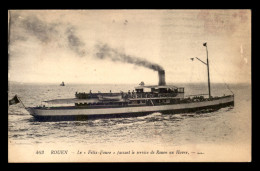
{"type": "Point", "coordinates": [77, 113]}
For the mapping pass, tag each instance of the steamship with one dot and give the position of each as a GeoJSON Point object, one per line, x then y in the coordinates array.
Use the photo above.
{"type": "Point", "coordinates": [143, 100]}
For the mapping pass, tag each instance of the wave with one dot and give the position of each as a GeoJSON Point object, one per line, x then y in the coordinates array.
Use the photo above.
{"type": "Point", "coordinates": [150, 115]}
{"type": "Point", "coordinates": [131, 123]}
{"type": "Point", "coordinates": [20, 114]}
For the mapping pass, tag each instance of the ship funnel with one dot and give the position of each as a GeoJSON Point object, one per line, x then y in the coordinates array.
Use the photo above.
{"type": "Point", "coordinates": [161, 74]}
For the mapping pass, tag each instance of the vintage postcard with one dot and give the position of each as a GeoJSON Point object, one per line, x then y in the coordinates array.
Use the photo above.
{"type": "Point", "coordinates": [129, 86]}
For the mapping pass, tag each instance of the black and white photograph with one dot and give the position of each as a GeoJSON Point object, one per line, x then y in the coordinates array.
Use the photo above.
{"type": "Point", "coordinates": [137, 85]}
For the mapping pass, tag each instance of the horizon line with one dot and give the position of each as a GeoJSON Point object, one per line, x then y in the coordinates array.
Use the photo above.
{"type": "Point", "coordinates": [72, 83]}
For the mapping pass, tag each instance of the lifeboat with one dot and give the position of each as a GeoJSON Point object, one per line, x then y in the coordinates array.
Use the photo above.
{"type": "Point", "coordinates": [110, 97]}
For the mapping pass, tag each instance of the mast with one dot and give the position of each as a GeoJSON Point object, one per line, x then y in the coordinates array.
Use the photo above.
{"type": "Point", "coordinates": [205, 44]}
{"type": "Point", "coordinates": [206, 63]}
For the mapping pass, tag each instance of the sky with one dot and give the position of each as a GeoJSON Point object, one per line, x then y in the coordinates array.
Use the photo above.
{"type": "Point", "coordinates": [128, 46]}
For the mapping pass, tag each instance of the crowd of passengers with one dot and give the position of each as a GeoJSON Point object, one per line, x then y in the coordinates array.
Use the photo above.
{"type": "Point", "coordinates": [130, 94]}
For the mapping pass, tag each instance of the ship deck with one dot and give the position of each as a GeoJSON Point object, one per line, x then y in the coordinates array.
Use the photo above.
{"type": "Point", "coordinates": [123, 104]}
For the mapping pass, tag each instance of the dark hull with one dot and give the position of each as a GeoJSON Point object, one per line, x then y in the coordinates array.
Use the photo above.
{"type": "Point", "coordinates": [136, 114]}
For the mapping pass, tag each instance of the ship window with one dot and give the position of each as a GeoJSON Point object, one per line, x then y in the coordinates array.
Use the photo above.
{"type": "Point", "coordinates": [138, 101]}
{"type": "Point", "coordinates": [181, 90]}
{"type": "Point", "coordinates": [139, 90]}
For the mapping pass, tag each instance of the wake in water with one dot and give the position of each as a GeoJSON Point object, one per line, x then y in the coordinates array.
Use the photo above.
{"type": "Point", "coordinates": [155, 127]}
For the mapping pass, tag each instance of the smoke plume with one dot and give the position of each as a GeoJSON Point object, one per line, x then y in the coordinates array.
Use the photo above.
{"type": "Point", "coordinates": [64, 35]}
{"type": "Point", "coordinates": [75, 43]}
{"type": "Point", "coordinates": [105, 52]}
{"type": "Point", "coordinates": [24, 27]}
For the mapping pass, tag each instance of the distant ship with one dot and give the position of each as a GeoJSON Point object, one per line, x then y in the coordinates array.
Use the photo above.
{"type": "Point", "coordinates": [159, 98]}
{"type": "Point", "coordinates": [62, 84]}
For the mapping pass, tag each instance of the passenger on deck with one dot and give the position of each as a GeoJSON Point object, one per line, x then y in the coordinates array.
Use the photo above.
{"type": "Point", "coordinates": [133, 94]}
{"type": "Point", "coordinates": [90, 94]}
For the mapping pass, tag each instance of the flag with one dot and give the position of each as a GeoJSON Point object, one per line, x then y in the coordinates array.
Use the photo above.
{"type": "Point", "coordinates": [205, 44]}
{"type": "Point", "coordinates": [14, 100]}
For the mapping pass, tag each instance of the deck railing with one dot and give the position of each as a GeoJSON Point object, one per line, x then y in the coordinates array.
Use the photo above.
{"type": "Point", "coordinates": [125, 95]}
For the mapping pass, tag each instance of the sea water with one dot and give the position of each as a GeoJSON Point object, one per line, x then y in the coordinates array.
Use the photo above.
{"type": "Point", "coordinates": [227, 125]}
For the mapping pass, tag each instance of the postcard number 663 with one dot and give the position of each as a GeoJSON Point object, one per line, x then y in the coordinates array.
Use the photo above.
{"type": "Point", "coordinates": [40, 152]}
